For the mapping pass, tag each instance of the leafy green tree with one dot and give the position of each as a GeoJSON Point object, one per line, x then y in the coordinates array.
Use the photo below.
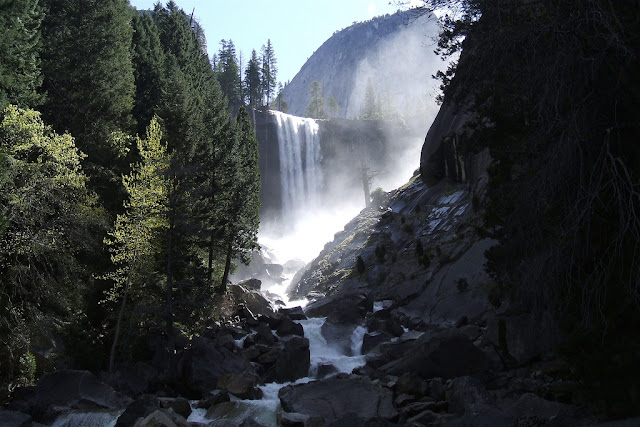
{"type": "Point", "coordinates": [50, 220]}
{"type": "Point", "coordinates": [279, 103]}
{"type": "Point", "coordinates": [135, 241]}
{"type": "Point", "coordinates": [20, 76]}
{"type": "Point", "coordinates": [315, 109]}
{"type": "Point", "coordinates": [252, 80]}
{"type": "Point", "coordinates": [269, 71]}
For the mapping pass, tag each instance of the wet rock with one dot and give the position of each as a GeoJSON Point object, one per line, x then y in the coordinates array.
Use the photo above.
{"type": "Point", "coordinates": [15, 419]}
{"type": "Point", "coordinates": [263, 335]}
{"type": "Point", "coordinates": [293, 419]}
{"type": "Point", "coordinates": [436, 389]}
{"type": "Point", "coordinates": [373, 339]}
{"type": "Point", "coordinates": [213, 398]}
{"type": "Point", "coordinates": [242, 385]}
{"type": "Point", "coordinates": [466, 394]}
{"type": "Point", "coordinates": [326, 369]}
{"type": "Point", "coordinates": [409, 383]}
{"type": "Point", "coordinates": [156, 419]}
{"type": "Point", "coordinates": [292, 362]}
{"type": "Point", "coordinates": [180, 405]}
{"type": "Point", "coordinates": [139, 408]}
{"type": "Point", "coordinates": [251, 284]}
{"type": "Point", "coordinates": [73, 389]}
{"type": "Point", "coordinates": [294, 313]}
{"type": "Point", "coordinates": [134, 380]}
{"type": "Point", "coordinates": [289, 327]}
{"type": "Point", "coordinates": [336, 397]}
{"type": "Point", "coordinates": [239, 411]}
{"type": "Point", "coordinates": [349, 308]}
{"type": "Point", "coordinates": [253, 300]}
{"type": "Point", "coordinates": [205, 362]}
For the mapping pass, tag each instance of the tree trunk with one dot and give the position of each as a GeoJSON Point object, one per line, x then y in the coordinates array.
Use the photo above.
{"type": "Point", "coordinates": [210, 266]}
{"type": "Point", "coordinates": [227, 269]}
{"type": "Point", "coordinates": [116, 337]}
{"type": "Point", "coordinates": [169, 296]}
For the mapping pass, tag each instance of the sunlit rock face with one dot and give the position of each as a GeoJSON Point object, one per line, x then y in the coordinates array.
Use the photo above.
{"type": "Point", "coordinates": [394, 51]}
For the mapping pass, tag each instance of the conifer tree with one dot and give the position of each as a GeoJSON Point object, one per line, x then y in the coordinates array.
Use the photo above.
{"type": "Point", "coordinates": [269, 71]}
{"type": "Point", "coordinates": [252, 80]}
{"type": "Point", "coordinates": [243, 196]}
{"type": "Point", "coordinates": [20, 76]}
{"type": "Point", "coordinates": [334, 108]}
{"type": "Point", "coordinates": [315, 109]}
{"type": "Point", "coordinates": [229, 73]}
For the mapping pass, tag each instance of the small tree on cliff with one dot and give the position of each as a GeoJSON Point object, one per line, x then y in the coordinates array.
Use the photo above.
{"type": "Point", "coordinates": [316, 105]}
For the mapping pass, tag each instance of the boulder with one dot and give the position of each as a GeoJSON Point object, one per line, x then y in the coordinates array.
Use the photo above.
{"type": "Point", "coordinates": [180, 405]}
{"type": "Point", "coordinates": [251, 284]}
{"type": "Point", "coordinates": [264, 335]}
{"type": "Point", "coordinates": [242, 385]}
{"type": "Point", "coordinates": [336, 397]}
{"type": "Point", "coordinates": [140, 408]}
{"type": "Point", "coordinates": [134, 380]}
{"type": "Point", "coordinates": [373, 339]}
{"type": "Point", "coordinates": [444, 354]}
{"type": "Point", "coordinates": [342, 308]}
{"type": "Point", "coordinates": [291, 362]}
{"type": "Point", "coordinates": [156, 419]}
{"type": "Point", "coordinates": [205, 362]}
{"type": "Point", "coordinates": [14, 419]}
{"type": "Point", "coordinates": [238, 412]}
{"type": "Point", "coordinates": [294, 313]}
{"type": "Point", "coordinates": [253, 300]}
{"type": "Point", "coordinates": [73, 389]}
{"type": "Point", "coordinates": [466, 394]}
{"type": "Point", "coordinates": [289, 327]}
{"type": "Point", "coordinates": [213, 398]}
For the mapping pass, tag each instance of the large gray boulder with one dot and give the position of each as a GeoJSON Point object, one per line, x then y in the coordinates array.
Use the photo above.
{"type": "Point", "coordinates": [444, 354]}
{"type": "Point", "coordinates": [205, 362]}
{"type": "Point", "coordinates": [69, 389]}
{"type": "Point", "coordinates": [290, 362]}
{"type": "Point", "coordinates": [336, 397]}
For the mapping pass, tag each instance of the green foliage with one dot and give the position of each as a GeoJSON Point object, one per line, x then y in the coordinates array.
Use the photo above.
{"type": "Point", "coordinates": [370, 109]}
{"type": "Point", "coordinates": [229, 72]}
{"type": "Point", "coordinates": [333, 106]}
{"type": "Point", "coordinates": [315, 109]}
{"type": "Point", "coordinates": [379, 197]}
{"type": "Point", "coordinates": [252, 81]}
{"type": "Point", "coordinates": [20, 76]}
{"type": "Point", "coordinates": [51, 222]}
{"type": "Point", "coordinates": [269, 71]}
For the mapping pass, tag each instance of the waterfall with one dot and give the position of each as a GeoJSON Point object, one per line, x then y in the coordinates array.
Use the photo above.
{"type": "Point", "coordinates": [300, 170]}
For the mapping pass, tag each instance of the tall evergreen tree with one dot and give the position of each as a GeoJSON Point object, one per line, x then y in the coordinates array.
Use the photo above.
{"type": "Point", "coordinates": [229, 73]}
{"type": "Point", "coordinates": [252, 80]}
{"type": "Point", "coordinates": [88, 74]}
{"type": "Point", "coordinates": [269, 72]}
{"type": "Point", "coordinates": [315, 109]}
{"type": "Point", "coordinates": [243, 196]}
{"type": "Point", "coordinates": [20, 76]}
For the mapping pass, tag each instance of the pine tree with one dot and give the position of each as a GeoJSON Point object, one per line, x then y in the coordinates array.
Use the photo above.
{"type": "Point", "coordinates": [315, 109]}
{"type": "Point", "coordinates": [269, 71]}
{"type": "Point", "coordinates": [135, 239]}
{"type": "Point", "coordinates": [20, 76]}
{"type": "Point", "coordinates": [88, 73]}
{"type": "Point", "coordinates": [243, 196]}
{"type": "Point", "coordinates": [229, 73]}
{"type": "Point", "coordinates": [252, 80]}
{"type": "Point", "coordinates": [370, 109]}
{"type": "Point", "coordinates": [334, 108]}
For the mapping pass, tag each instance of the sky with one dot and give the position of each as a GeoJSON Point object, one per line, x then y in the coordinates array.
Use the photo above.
{"type": "Point", "coordinates": [296, 27]}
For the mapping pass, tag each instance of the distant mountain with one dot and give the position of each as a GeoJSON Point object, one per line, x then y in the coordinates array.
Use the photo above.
{"type": "Point", "coordinates": [394, 51]}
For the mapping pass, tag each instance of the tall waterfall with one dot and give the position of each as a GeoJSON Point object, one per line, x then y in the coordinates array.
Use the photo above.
{"type": "Point", "coordinates": [300, 156]}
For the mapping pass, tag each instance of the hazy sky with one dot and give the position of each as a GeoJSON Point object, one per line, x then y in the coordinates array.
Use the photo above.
{"type": "Point", "coordinates": [296, 27]}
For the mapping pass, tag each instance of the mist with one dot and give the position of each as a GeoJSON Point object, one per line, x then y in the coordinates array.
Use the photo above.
{"type": "Point", "coordinates": [400, 68]}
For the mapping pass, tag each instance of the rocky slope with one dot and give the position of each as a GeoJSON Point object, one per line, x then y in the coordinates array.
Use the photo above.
{"type": "Point", "coordinates": [394, 51]}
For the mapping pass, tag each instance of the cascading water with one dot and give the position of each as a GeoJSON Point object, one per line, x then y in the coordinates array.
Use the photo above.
{"type": "Point", "coordinates": [300, 156]}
